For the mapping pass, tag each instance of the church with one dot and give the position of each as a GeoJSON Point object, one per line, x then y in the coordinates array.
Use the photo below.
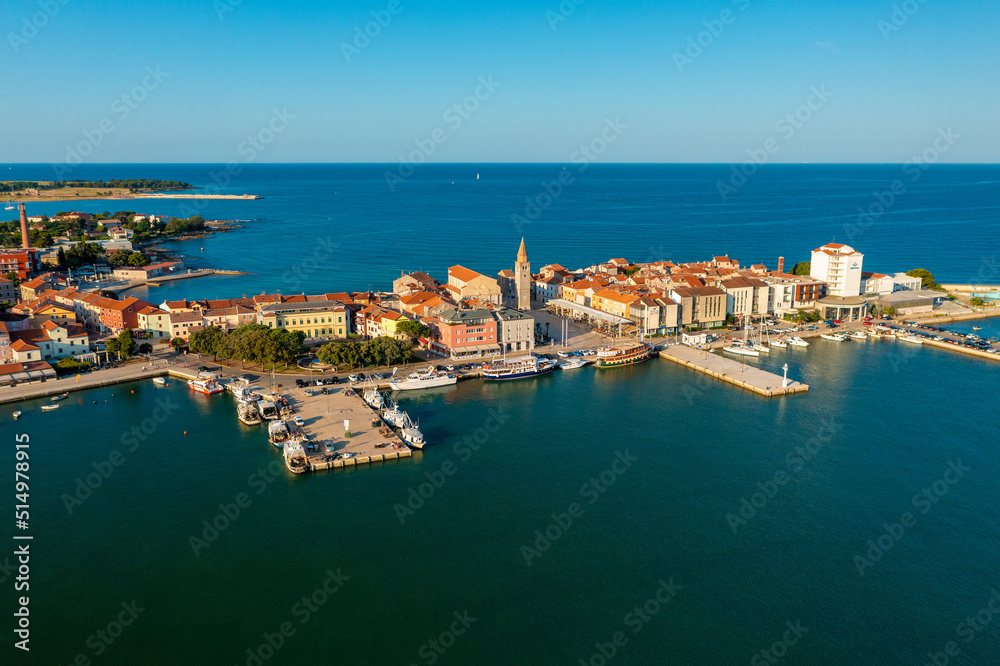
{"type": "Point", "coordinates": [515, 285]}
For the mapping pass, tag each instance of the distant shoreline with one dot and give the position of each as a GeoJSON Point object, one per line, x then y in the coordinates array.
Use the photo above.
{"type": "Point", "coordinates": [139, 195]}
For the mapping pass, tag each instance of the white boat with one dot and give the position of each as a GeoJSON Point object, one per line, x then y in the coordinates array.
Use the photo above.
{"type": "Point", "coordinates": [268, 410]}
{"type": "Point", "coordinates": [977, 328]}
{"type": "Point", "coordinates": [834, 337]}
{"type": "Point", "coordinates": [17, 415]}
{"type": "Point", "coordinates": [247, 413]}
{"type": "Point", "coordinates": [206, 386]}
{"type": "Point", "coordinates": [394, 416]}
{"type": "Point", "coordinates": [277, 433]}
{"type": "Point", "coordinates": [372, 395]}
{"type": "Point", "coordinates": [295, 457]}
{"type": "Point", "coordinates": [857, 335]}
{"type": "Point", "coordinates": [780, 344]}
{"type": "Point", "coordinates": [411, 433]}
{"type": "Point", "coordinates": [61, 396]}
{"type": "Point", "coordinates": [241, 391]}
{"type": "Point", "coordinates": [49, 408]}
{"type": "Point", "coordinates": [912, 339]}
{"type": "Point", "coordinates": [160, 380]}
{"type": "Point", "coordinates": [796, 341]}
{"type": "Point", "coordinates": [741, 349]}
{"type": "Point", "coordinates": [573, 363]}
{"type": "Point", "coordinates": [517, 368]}
{"type": "Point", "coordinates": [429, 378]}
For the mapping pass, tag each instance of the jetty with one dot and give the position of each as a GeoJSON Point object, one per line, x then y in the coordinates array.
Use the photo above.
{"type": "Point", "coordinates": [729, 370]}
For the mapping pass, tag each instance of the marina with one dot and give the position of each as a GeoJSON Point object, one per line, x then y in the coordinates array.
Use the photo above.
{"type": "Point", "coordinates": [728, 370]}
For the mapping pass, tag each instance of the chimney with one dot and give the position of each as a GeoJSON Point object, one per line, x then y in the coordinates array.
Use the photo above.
{"type": "Point", "coordinates": [25, 237]}
{"type": "Point", "coordinates": [781, 265]}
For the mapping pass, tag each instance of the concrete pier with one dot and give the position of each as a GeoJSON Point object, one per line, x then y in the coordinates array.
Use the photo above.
{"type": "Point", "coordinates": [729, 370]}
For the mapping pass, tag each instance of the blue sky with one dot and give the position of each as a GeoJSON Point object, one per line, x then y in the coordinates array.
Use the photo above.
{"type": "Point", "coordinates": [562, 70]}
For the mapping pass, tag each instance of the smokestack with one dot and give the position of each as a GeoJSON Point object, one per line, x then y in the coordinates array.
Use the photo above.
{"type": "Point", "coordinates": [781, 265]}
{"type": "Point", "coordinates": [25, 238]}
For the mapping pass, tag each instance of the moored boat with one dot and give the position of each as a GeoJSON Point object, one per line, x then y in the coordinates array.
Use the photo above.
{"type": "Point", "coordinates": [295, 457]}
{"type": "Point", "coordinates": [411, 433]}
{"type": "Point", "coordinates": [61, 396]}
{"type": "Point", "coordinates": [833, 337]}
{"type": "Point", "coordinates": [429, 378]}
{"type": "Point", "coordinates": [277, 433]}
{"type": "Point", "coordinates": [161, 381]}
{"type": "Point", "coordinates": [247, 413]}
{"type": "Point", "coordinates": [912, 339]}
{"type": "Point", "coordinates": [49, 408]}
{"type": "Point", "coordinates": [517, 368]}
{"type": "Point", "coordinates": [17, 415]}
{"type": "Point", "coordinates": [206, 386]}
{"type": "Point", "coordinates": [623, 352]}
{"type": "Point", "coordinates": [573, 363]}
{"type": "Point", "coordinates": [857, 335]}
{"type": "Point", "coordinates": [741, 349]}
{"type": "Point", "coordinates": [796, 341]}
{"type": "Point", "coordinates": [780, 344]}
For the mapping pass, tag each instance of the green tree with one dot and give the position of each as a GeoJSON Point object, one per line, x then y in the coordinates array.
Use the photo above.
{"type": "Point", "coordinates": [414, 329]}
{"type": "Point", "coordinates": [178, 344]}
{"type": "Point", "coordinates": [61, 256]}
{"type": "Point", "coordinates": [977, 301]}
{"type": "Point", "coordinates": [801, 268]}
{"type": "Point", "coordinates": [207, 341]}
{"type": "Point", "coordinates": [926, 278]}
{"type": "Point", "coordinates": [12, 276]}
{"type": "Point", "coordinates": [119, 257]}
{"type": "Point", "coordinates": [127, 346]}
{"type": "Point", "coordinates": [145, 348]}
{"type": "Point", "coordinates": [138, 259]}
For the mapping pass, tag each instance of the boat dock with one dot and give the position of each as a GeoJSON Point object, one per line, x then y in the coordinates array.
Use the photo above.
{"type": "Point", "coordinates": [324, 417]}
{"type": "Point", "coordinates": [729, 370]}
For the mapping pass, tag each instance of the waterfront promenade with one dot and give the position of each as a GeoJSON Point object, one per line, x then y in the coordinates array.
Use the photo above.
{"type": "Point", "coordinates": [732, 371]}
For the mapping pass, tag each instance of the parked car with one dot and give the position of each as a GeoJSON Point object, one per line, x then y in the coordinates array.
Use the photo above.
{"type": "Point", "coordinates": [300, 383]}
{"type": "Point", "coordinates": [563, 354]}
{"type": "Point", "coordinates": [298, 421]}
{"type": "Point", "coordinates": [202, 368]}
{"type": "Point", "coordinates": [353, 377]}
{"type": "Point", "coordinates": [361, 376]}
{"type": "Point", "coordinates": [334, 380]}
{"type": "Point", "coordinates": [450, 368]}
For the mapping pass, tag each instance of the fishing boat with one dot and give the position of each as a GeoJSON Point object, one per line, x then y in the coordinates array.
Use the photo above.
{"type": "Point", "coordinates": [268, 410]}
{"type": "Point", "coordinates": [206, 386]}
{"type": "Point", "coordinates": [17, 415]}
{"type": "Point", "coordinates": [372, 395]}
{"type": "Point", "coordinates": [295, 457]}
{"type": "Point", "coordinates": [429, 378]}
{"type": "Point", "coordinates": [912, 339]}
{"type": "Point", "coordinates": [857, 335]}
{"type": "Point", "coordinates": [61, 396]}
{"type": "Point", "coordinates": [394, 416]}
{"type": "Point", "coordinates": [241, 391]}
{"type": "Point", "coordinates": [277, 433]}
{"type": "Point", "coordinates": [623, 352]}
{"type": "Point", "coordinates": [411, 433]}
{"type": "Point", "coordinates": [834, 337]}
{"type": "Point", "coordinates": [517, 368]}
{"type": "Point", "coordinates": [247, 413]}
{"type": "Point", "coordinates": [573, 363]}
{"type": "Point", "coordinates": [49, 408]}
{"type": "Point", "coordinates": [796, 341]}
{"type": "Point", "coordinates": [161, 381]}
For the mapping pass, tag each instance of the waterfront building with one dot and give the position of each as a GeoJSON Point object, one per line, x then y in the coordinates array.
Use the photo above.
{"type": "Point", "coordinates": [465, 333]}
{"type": "Point", "coordinates": [317, 319]}
{"type": "Point", "coordinates": [582, 291]}
{"type": "Point", "coordinates": [876, 284]}
{"type": "Point", "coordinates": [907, 302]}
{"type": "Point", "coordinates": [700, 307]}
{"type": "Point", "coordinates": [466, 284]}
{"type": "Point", "coordinates": [21, 373]}
{"type": "Point", "coordinates": [844, 308]}
{"type": "Point", "coordinates": [410, 283]}
{"type": "Point", "coordinates": [613, 302]}
{"type": "Point", "coordinates": [182, 324]}
{"type": "Point", "coordinates": [904, 282]}
{"type": "Point", "coordinates": [154, 322]}
{"type": "Point", "coordinates": [746, 296]}
{"type": "Point", "coordinates": [791, 293]}
{"type": "Point", "coordinates": [839, 266]}
{"type": "Point", "coordinates": [515, 330]}
{"type": "Point", "coordinates": [545, 289]}
{"type": "Point", "coordinates": [116, 316]}
{"type": "Point", "coordinates": [145, 272]}
{"type": "Point", "coordinates": [50, 341]}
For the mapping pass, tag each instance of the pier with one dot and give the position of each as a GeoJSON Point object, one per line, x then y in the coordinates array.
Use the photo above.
{"type": "Point", "coordinates": [729, 370]}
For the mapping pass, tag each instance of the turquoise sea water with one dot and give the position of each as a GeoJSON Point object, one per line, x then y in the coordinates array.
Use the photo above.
{"type": "Point", "coordinates": [894, 416]}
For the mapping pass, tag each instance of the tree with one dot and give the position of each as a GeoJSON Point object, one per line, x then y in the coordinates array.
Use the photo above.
{"type": "Point", "coordinates": [178, 344]}
{"type": "Point", "coordinates": [414, 329]}
{"type": "Point", "coordinates": [127, 346]}
{"type": "Point", "coordinates": [145, 348]}
{"type": "Point", "coordinates": [207, 341]}
{"type": "Point", "coordinates": [12, 276]}
{"type": "Point", "coordinates": [138, 259]}
{"type": "Point", "coordinates": [801, 268]}
{"type": "Point", "coordinates": [61, 256]}
{"type": "Point", "coordinates": [119, 258]}
{"type": "Point", "coordinates": [977, 301]}
{"type": "Point", "coordinates": [926, 277]}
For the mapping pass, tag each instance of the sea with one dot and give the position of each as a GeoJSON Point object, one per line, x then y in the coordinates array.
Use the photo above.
{"type": "Point", "coordinates": [639, 515]}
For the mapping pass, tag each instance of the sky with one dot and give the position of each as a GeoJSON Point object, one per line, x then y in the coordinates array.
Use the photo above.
{"type": "Point", "coordinates": [498, 81]}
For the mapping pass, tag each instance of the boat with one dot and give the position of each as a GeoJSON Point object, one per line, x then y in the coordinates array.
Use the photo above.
{"type": "Point", "coordinates": [241, 391]}
{"type": "Point", "coordinates": [623, 352]}
{"type": "Point", "coordinates": [48, 408]}
{"type": "Point", "coordinates": [912, 339]}
{"type": "Point", "coordinates": [977, 328]}
{"type": "Point", "coordinates": [796, 341]}
{"type": "Point", "coordinates": [206, 386]}
{"type": "Point", "coordinates": [857, 335]}
{"type": "Point", "coordinates": [372, 395]}
{"type": "Point", "coordinates": [160, 381]}
{"type": "Point", "coordinates": [247, 413]}
{"type": "Point", "coordinates": [411, 433]}
{"type": "Point", "coordinates": [780, 344]}
{"type": "Point", "coordinates": [17, 415]}
{"type": "Point", "coordinates": [741, 348]}
{"type": "Point", "coordinates": [517, 368]}
{"type": "Point", "coordinates": [429, 378]}
{"type": "Point", "coordinates": [573, 363]}
{"type": "Point", "coordinates": [268, 410]}
{"type": "Point", "coordinates": [277, 433]}
{"type": "Point", "coordinates": [835, 337]}
{"type": "Point", "coordinates": [295, 457]}
{"type": "Point", "coordinates": [61, 396]}
{"type": "Point", "coordinates": [394, 416]}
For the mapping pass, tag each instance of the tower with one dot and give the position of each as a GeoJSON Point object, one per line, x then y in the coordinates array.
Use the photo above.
{"type": "Point", "coordinates": [522, 278]}
{"type": "Point", "coordinates": [25, 236]}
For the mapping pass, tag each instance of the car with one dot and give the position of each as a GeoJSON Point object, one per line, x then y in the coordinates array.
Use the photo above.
{"type": "Point", "coordinates": [202, 368]}
{"type": "Point", "coordinates": [353, 377]}
{"type": "Point", "coordinates": [298, 421]}
{"type": "Point", "coordinates": [361, 376]}
{"type": "Point", "coordinates": [450, 368]}
{"type": "Point", "coordinates": [334, 380]}
{"type": "Point", "coordinates": [326, 391]}
{"type": "Point", "coordinates": [563, 354]}
{"type": "Point", "coordinates": [300, 383]}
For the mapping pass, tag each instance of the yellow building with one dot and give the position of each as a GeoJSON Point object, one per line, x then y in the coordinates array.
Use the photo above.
{"type": "Point", "coordinates": [613, 302]}
{"type": "Point", "coordinates": [317, 319]}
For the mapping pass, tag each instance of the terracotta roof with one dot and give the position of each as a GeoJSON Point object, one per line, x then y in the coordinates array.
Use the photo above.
{"type": "Point", "coordinates": [462, 273]}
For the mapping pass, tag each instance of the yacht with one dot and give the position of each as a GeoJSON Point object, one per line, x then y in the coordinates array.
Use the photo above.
{"type": "Point", "coordinates": [835, 337]}
{"type": "Point", "coordinates": [517, 368]}
{"type": "Point", "coordinates": [857, 335]}
{"type": "Point", "coordinates": [741, 348]}
{"type": "Point", "coordinates": [796, 341]}
{"type": "Point", "coordinates": [779, 343]}
{"type": "Point", "coordinates": [206, 386]}
{"type": "Point", "coordinates": [247, 413]}
{"type": "Point", "coordinates": [912, 339]}
{"type": "Point", "coordinates": [623, 352]}
{"type": "Point", "coordinates": [573, 363]}
{"type": "Point", "coordinates": [277, 433]}
{"type": "Point", "coordinates": [295, 457]}
{"type": "Point", "coordinates": [429, 378]}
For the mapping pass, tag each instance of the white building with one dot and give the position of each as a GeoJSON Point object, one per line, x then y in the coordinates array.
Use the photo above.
{"type": "Point", "coordinates": [904, 282]}
{"type": "Point", "coordinates": [839, 266]}
{"type": "Point", "coordinates": [877, 284]}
